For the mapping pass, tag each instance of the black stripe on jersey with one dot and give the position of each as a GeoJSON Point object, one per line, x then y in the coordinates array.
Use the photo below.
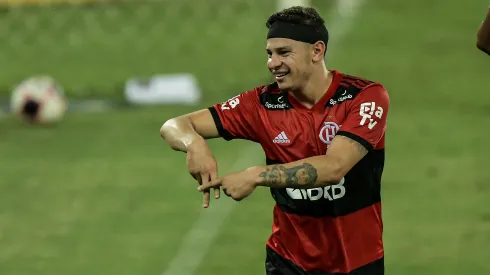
{"type": "Point", "coordinates": [355, 82]}
{"type": "Point", "coordinates": [221, 130]}
{"type": "Point", "coordinates": [349, 88]}
{"type": "Point", "coordinates": [357, 138]}
{"type": "Point", "coordinates": [275, 264]}
{"type": "Point", "coordinates": [351, 83]}
{"type": "Point", "coordinates": [275, 101]}
{"type": "Point", "coordinates": [343, 94]}
{"type": "Point", "coordinates": [348, 80]}
{"type": "Point", "coordinates": [361, 187]}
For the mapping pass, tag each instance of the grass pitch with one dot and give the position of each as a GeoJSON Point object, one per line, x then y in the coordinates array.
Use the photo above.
{"type": "Point", "coordinates": [102, 194]}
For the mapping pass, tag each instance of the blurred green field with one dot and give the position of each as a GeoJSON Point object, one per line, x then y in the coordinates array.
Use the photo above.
{"type": "Point", "coordinates": [102, 194]}
{"type": "Point", "coordinates": [93, 50]}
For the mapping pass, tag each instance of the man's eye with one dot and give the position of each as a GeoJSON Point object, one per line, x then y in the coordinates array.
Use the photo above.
{"type": "Point", "coordinates": [284, 52]}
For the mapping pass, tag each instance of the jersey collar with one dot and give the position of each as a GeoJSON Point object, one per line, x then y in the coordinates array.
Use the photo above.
{"type": "Point", "coordinates": [320, 105]}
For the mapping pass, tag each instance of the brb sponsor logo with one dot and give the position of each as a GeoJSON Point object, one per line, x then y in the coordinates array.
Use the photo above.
{"type": "Point", "coordinates": [332, 192]}
{"type": "Point", "coordinates": [328, 131]}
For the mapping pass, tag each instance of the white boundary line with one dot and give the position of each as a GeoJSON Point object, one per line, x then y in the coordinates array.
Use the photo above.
{"type": "Point", "coordinates": [201, 235]}
{"type": "Point", "coordinates": [203, 232]}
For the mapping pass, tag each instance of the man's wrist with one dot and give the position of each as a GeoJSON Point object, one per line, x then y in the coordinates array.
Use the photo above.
{"type": "Point", "coordinates": [254, 173]}
{"type": "Point", "coordinates": [195, 143]}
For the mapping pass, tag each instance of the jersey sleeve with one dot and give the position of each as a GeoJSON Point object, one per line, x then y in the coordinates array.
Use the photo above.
{"type": "Point", "coordinates": [366, 116]}
{"type": "Point", "coordinates": [238, 118]}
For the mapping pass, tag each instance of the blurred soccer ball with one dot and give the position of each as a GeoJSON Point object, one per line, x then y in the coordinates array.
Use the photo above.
{"type": "Point", "coordinates": [39, 100]}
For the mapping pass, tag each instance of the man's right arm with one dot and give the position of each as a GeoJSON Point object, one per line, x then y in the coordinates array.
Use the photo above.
{"type": "Point", "coordinates": [236, 118]}
{"type": "Point", "coordinates": [189, 130]}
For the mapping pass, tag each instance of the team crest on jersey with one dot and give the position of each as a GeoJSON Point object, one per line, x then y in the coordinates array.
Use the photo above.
{"type": "Point", "coordinates": [328, 132]}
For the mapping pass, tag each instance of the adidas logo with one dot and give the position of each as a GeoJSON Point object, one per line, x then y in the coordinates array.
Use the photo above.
{"type": "Point", "coordinates": [281, 138]}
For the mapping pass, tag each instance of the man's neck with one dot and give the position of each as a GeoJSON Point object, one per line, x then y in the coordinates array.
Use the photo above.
{"type": "Point", "coordinates": [314, 88]}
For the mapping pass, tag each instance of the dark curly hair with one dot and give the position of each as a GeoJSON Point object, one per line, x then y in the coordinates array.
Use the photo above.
{"type": "Point", "coordinates": [297, 14]}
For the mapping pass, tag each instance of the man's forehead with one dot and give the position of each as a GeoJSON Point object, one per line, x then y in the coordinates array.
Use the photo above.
{"type": "Point", "coordinates": [280, 43]}
{"type": "Point", "coordinates": [274, 43]}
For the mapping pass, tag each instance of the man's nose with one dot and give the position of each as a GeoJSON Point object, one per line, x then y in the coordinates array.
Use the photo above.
{"type": "Point", "coordinates": [274, 62]}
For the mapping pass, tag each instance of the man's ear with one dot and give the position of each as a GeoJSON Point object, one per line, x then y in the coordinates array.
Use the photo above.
{"type": "Point", "coordinates": [319, 49]}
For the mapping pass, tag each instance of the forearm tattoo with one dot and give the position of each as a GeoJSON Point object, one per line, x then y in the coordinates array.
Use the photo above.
{"type": "Point", "coordinates": [271, 176]}
{"type": "Point", "coordinates": [298, 176]}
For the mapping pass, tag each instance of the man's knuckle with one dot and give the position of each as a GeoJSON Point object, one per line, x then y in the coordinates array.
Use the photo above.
{"type": "Point", "coordinates": [193, 171]}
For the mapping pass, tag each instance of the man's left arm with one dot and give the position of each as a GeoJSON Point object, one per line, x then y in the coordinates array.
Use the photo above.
{"type": "Point", "coordinates": [363, 129]}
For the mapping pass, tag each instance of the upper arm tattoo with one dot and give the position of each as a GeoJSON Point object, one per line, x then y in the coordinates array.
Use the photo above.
{"type": "Point", "coordinates": [360, 148]}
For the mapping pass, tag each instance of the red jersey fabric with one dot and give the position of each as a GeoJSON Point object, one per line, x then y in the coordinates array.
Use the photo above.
{"type": "Point", "coordinates": [334, 229]}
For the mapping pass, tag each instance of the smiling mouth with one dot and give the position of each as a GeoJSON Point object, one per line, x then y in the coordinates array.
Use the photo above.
{"type": "Point", "coordinates": [280, 75]}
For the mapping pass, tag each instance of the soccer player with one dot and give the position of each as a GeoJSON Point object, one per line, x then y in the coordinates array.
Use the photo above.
{"type": "Point", "coordinates": [483, 37]}
{"type": "Point", "coordinates": [323, 134]}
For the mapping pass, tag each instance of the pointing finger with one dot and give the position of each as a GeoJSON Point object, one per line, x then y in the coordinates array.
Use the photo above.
{"type": "Point", "coordinates": [211, 184]}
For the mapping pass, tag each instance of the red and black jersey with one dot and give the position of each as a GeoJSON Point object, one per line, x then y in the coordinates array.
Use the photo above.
{"type": "Point", "coordinates": [334, 229]}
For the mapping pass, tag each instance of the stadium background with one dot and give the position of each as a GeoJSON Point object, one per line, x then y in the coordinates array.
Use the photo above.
{"type": "Point", "coordinates": [102, 194]}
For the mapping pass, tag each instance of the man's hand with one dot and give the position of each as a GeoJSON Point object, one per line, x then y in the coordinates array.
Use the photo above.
{"type": "Point", "coordinates": [203, 167]}
{"type": "Point", "coordinates": [187, 133]}
{"type": "Point", "coordinates": [237, 185]}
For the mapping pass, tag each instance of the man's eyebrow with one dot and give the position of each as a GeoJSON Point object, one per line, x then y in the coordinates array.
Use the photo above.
{"type": "Point", "coordinates": [283, 48]}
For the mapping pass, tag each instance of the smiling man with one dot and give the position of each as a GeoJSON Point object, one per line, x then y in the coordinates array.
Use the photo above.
{"type": "Point", "coordinates": [323, 134]}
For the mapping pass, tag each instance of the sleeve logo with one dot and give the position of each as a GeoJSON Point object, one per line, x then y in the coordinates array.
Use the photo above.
{"type": "Point", "coordinates": [231, 103]}
{"type": "Point", "coordinates": [367, 111]}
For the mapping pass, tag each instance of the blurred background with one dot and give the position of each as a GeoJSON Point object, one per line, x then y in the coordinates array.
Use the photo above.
{"type": "Point", "coordinates": [101, 193]}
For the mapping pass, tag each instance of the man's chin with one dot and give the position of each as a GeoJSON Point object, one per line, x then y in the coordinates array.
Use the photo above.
{"type": "Point", "coordinates": [283, 86]}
